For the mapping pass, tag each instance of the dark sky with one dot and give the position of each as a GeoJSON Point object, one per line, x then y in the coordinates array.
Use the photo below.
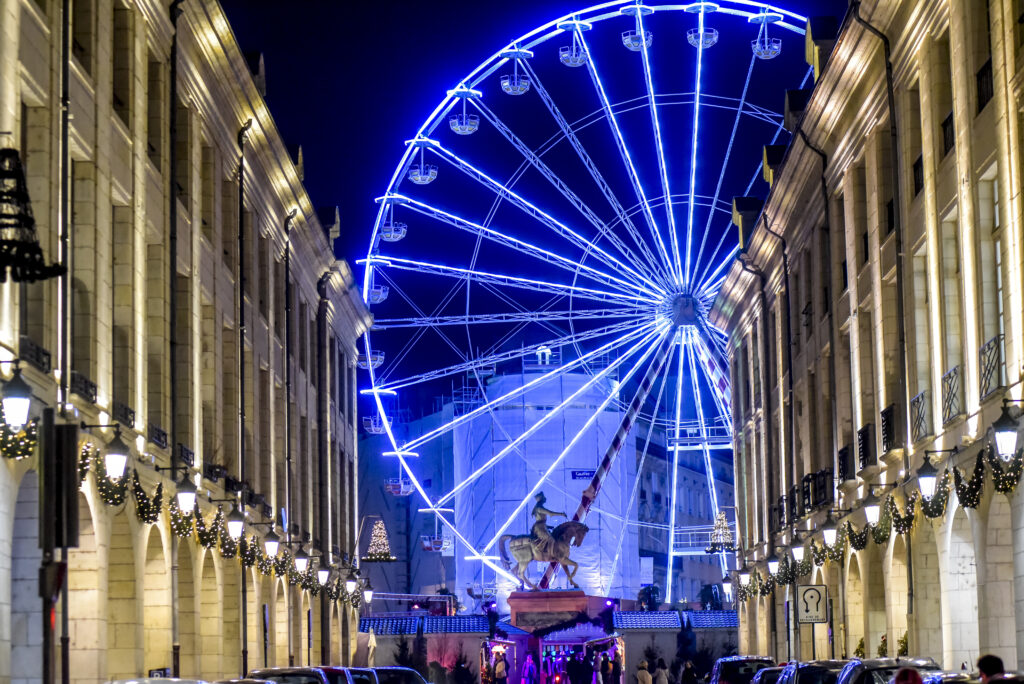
{"type": "Point", "coordinates": [351, 81]}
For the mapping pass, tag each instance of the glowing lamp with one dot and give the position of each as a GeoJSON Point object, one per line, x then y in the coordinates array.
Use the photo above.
{"type": "Point", "coordinates": [271, 543]}
{"type": "Point", "coordinates": [872, 509]}
{"type": "Point", "coordinates": [798, 553]}
{"type": "Point", "coordinates": [727, 586]}
{"type": "Point", "coordinates": [116, 457]}
{"type": "Point", "coordinates": [773, 564]}
{"type": "Point", "coordinates": [186, 495]}
{"type": "Point", "coordinates": [927, 477]}
{"type": "Point", "coordinates": [367, 592]}
{"type": "Point", "coordinates": [17, 398]}
{"type": "Point", "coordinates": [1005, 429]}
{"type": "Point", "coordinates": [301, 560]}
{"type": "Point", "coordinates": [744, 578]}
{"type": "Point", "coordinates": [323, 573]}
{"type": "Point", "coordinates": [830, 530]}
{"type": "Point", "coordinates": [351, 582]}
{"type": "Point", "coordinates": [236, 523]}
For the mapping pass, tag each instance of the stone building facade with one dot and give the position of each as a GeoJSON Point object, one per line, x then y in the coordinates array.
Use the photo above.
{"type": "Point", "coordinates": [896, 330]}
{"type": "Point", "coordinates": [173, 322]}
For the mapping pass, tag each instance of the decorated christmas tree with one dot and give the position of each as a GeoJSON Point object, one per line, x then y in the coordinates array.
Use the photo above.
{"type": "Point", "coordinates": [380, 549]}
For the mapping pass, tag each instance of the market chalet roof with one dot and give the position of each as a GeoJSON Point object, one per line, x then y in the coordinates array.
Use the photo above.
{"type": "Point", "coordinates": [432, 624]}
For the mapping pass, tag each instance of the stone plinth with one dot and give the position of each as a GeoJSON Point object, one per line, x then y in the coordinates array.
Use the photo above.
{"type": "Point", "coordinates": [539, 609]}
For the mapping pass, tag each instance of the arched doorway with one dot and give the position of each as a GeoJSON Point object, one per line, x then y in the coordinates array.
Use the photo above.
{"type": "Point", "coordinates": [874, 593]}
{"type": "Point", "coordinates": [188, 616]}
{"type": "Point", "coordinates": [764, 642]}
{"type": "Point", "coordinates": [156, 602]}
{"type": "Point", "coordinates": [26, 616]}
{"type": "Point", "coordinates": [854, 602]}
{"type": "Point", "coordinates": [281, 621]}
{"type": "Point", "coordinates": [87, 598]}
{"type": "Point", "coordinates": [926, 620]}
{"type": "Point", "coordinates": [960, 614]}
{"type": "Point", "coordinates": [995, 575]}
{"type": "Point", "coordinates": [122, 602]}
{"type": "Point", "coordinates": [211, 617]}
{"type": "Point", "coordinates": [896, 589]}
{"type": "Point", "coordinates": [304, 634]}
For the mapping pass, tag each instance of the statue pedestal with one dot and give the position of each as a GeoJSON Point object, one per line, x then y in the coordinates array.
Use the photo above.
{"type": "Point", "coordinates": [539, 609]}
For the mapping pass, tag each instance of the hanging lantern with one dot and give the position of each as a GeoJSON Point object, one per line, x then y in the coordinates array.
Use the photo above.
{"type": "Point", "coordinates": [20, 253]}
{"type": "Point", "coordinates": [380, 548]}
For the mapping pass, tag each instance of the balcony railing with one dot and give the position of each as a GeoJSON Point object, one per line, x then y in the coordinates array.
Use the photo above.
{"type": "Point", "coordinates": [983, 80]}
{"type": "Point", "coordinates": [83, 387]}
{"type": "Point", "coordinates": [866, 446]}
{"type": "Point", "coordinates": [806, 496]}
{"type": "Point", "coordinates": [920, 426]}
{"type": "Point", "coordinates": [887, 421]}
{"type": "Point", "coordinates": [34, 355]}
{"type": "Point", "coordinates": [991, 358]}
{"type": "Point", "coordinates": [952, 401]}
{"type": "Point", "coordinates": [123, 414]}
{"type": "Point", "coordinates": [824, 492]}
{"type": "Point", "coordinates": [846, 469]}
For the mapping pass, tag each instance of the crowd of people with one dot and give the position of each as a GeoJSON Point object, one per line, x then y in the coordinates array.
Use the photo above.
{"type": "Point", "coordinates": [590, 667]}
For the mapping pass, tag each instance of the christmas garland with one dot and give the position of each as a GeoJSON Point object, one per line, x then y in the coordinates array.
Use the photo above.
{"type": "Point", "coordinates": [903, 523]}
{"type": "Point", "coordinates": [206, 533]}
{"type": "Point", "coordinates": [228, 546]}
{"type": "Point", "coordinates": [265, 564]}
{"type": "Point", "coordinates": [1005, 480]}
{"type": "Point", "coordinates": [935, 507]}
{"type": "Point", "coordinates": [283, 563]}
{"type": "Point", "coordinates": [147, 507]}
{"type": "Point", "coordinates": [249, 551]}
{"type": "Point", "coordinates": [19, 444]}
{"type": "Point", "coordinates": [85, 457]}
{"type": "Point", "coordinates": [112, 493]}
{"type": "Point", "coordinates": [880, 532]}
{"type": "Point", "coordinates": [181, 523]}
{"type": "Point", "coordinates": [968, 493]}
{"type": "Point", "coordinates": [858, 540]}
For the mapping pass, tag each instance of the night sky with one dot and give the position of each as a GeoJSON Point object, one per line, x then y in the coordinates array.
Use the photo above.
{"type": "Point", "coordinates": [351, 81]}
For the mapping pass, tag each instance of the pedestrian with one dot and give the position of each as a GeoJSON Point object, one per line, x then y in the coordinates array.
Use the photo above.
{"type": "Point", "coordinates": [617, 668]}
{"type": "Point", "coordinates": [907, 675]}
{"type": "Point", "coordinates": [989, 666]}
{"type": "Point", "coordinates": [501, 669]}
{"type": "Point", "coordinates": [606, 670]}
{"type": "Point", "coordinates": [642, 675]}
{"type": "Point", "coordinates": [660, 672]}
{"type": "Point", "coordinates": [689, 675]}
{"type": "Point", "coordinates": [529, 672]}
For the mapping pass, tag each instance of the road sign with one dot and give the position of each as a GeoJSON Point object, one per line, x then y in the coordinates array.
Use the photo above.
{"type": "Point", "coordinates": [812, 603]}
{"type": "Point", "coordinates": [583, 474]}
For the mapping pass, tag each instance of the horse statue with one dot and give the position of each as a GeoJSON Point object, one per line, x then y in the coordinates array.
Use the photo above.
{"type": "Point", "coordinates": [524, 550]}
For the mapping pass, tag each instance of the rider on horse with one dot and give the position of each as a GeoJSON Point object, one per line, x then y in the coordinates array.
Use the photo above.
{"type": "Point", "coordinates": [540, 536]}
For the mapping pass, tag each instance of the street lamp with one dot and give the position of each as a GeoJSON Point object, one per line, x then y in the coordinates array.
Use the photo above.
{"type": "Point", "coordinates": [115, 454]}
{"type": "Point", "coordinates": [186, 494]}
{"type": "Point", "coordinates": [727, 586]}
{"type": "Point", "coordinates": [367, 592]}
{"type": "Point", "coordinates": [271, 542]}
{"type": "Point", "coordinates": [744, 577]}
{"type": "Point", "coordinates": [323, 574]}
{"type": "Point", "coordinates": [301, 560]}
{"type": "Point", "coordinates": [829, 531]}
{"type": "Point", "coordinates": [927, 477]}
{"type": "Point", "coordinates": [235, 522]}
{"type": "Point", "coordinates": [773, 564]}
{"type": "Point", "coordinates": [1005, 429]}
{"type": "Point", "coordinates": [872, 507]}
{"type": "Point", "coordinates": [798, 550]}
{"type": "Point", "coordinates": [16, 399]}
{"type": "Point", "coordinates": [351, 582]}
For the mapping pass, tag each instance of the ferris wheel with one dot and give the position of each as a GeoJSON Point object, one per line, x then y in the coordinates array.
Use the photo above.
{"type": "Point", "coordinates": [567, 207]}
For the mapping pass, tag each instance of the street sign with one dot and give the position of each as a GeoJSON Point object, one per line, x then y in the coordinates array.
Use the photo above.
{"type": "Point", "coordinates": [812, 603]}
{"type": "Point", "coordinates": [646, 570]}
{"type": "Point", "coordinates": [583, 474]}
{"type": "Point", "coordinates": [160, 673]}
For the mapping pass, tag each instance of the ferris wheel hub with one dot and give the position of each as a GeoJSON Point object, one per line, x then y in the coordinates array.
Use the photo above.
{"type": "Point", "coordinates": [683, 309]}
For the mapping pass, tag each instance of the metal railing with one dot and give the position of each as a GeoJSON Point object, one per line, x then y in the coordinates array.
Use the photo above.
{"type": "Point", "coordinates": [991, 370]}
{"type": "Point", "coordinates": [887, 421]}
{"type": "Point", "coordinates": [846, 470]}
{"type": "Point", "coordinates": [952, 400]}
{"type": "Point", "coordinates": [866, 446]}
{"type": "Point", "coordinates": [920, 426]}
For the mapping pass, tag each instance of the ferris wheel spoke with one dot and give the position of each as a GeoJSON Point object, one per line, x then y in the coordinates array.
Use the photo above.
{"type": "Point", "coordinates": [664, 331]}
{"type": "Point", "coordinates": [497, 318]}
{"type": "Point", "coordinates": [602, 184]}
{"type": "Point", "coordinates": [656, 125]}
{"type": "Point", "coordinates": [626, 330]}
{"type": "Point", "coordinates": [627, 159]}
{"type": "Point", "coordinates": [702, 426]}
{"type": "Point", "coordinates": [716, 379]}
{"type": "Point", "coordinates": [530, 209]}
{"type": "Point", "coordinates": [694, 146]}
{"type": "Point", "coordinates": [523, 247]}
{"type": "Point", "coordinates": [639, 472]}
{"type": "Point", "coordinates": [548, 416]}
{"type": "Point", "coordinates": [725, 160]}
{"type": "Point", "coordinates": [597, 353]}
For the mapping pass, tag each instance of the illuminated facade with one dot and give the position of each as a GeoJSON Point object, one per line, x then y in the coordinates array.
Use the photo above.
{"type": "Point", "coordinates": [895, 330]}
{"type": "Point", "coordinates": [144, 332]}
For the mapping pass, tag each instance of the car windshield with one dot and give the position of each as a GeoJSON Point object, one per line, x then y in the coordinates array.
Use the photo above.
{"type": "Point", "coordinates": [740, 671]}
{"type": "Point", "coordinates": [359, 677]}
{"type": "Point", "coordinates": [769, 676]}
{"type": "Point", "coordinates": [817, 674]}
{"type": "Point", "coordinates": [884, 675]}
{"type": "Point", "coordinates": [399, 677]}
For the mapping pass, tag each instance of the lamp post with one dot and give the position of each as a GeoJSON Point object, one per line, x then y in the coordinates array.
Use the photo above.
{"type": "Point", "coordinates": [872, 507]}
{"type": "Point", "coordinates": [927, 477]}
{"type": "Point", "coordinates": [829, 530]}
{"type": "Point", "coordinates": [16, 398]}
{"type": "Point", "coordinates": [1004, 427]}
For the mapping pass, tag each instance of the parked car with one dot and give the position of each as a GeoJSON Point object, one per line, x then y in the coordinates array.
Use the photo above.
{"type": "Point", "coordinates": [882, 670]}
{"type": "Point", "coordinates": [304, 675]}
{"type": "Point", "coordinates": [767, 675]}
{"type": "Point", "coordinates": [812, 672]}
{"type": "Point", "coordinates": [247, 680]}
{"type": "Point", "coordinates": [386, 675]}
{"type": "Point", "coordinates": [738, 669]}
{"type": "Point", "coordinates": [957, 677]}
{"type": "Point", "coordinates": [157, 680]}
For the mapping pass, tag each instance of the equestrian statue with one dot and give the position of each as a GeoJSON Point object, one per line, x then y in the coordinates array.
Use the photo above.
{"type": "Point", "coordinates": [543, 544]}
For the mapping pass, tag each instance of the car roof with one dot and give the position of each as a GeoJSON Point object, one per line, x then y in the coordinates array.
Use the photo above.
{"type": "Point", "coordinates": [296, 670]}
{"type": "Point", "coordinates": [156, 680]}
{"type": "Point", "coordinates": [881, 663]}
{"type": "Point", "coordinates": [736, 658]}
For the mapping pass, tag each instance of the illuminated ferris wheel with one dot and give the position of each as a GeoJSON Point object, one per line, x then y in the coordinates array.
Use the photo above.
{"type": "Point", "coordinates": [568, 205]}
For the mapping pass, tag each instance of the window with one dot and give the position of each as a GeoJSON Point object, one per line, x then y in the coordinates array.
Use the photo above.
{"type": "Point", "coordinates": [948, 134]}
{"type": "Point", "coordinates": [918, 175]}
{"type": "Point", "coordinates": [845, 278]}
{"type": "Point", "coordinates": [82, 31]}
{"type": "Point", "coordinates": [121, 94]}
{"type": "Point", "coordinates": [890, 216]}
{"type": "Point", "coordinates": [983, 80]}
{"type": "Point", "coordinates": [154, 110]}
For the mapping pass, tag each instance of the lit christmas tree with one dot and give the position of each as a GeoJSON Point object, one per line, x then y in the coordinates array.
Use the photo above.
{"type": "Point", "coordinates": [380, 549]}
